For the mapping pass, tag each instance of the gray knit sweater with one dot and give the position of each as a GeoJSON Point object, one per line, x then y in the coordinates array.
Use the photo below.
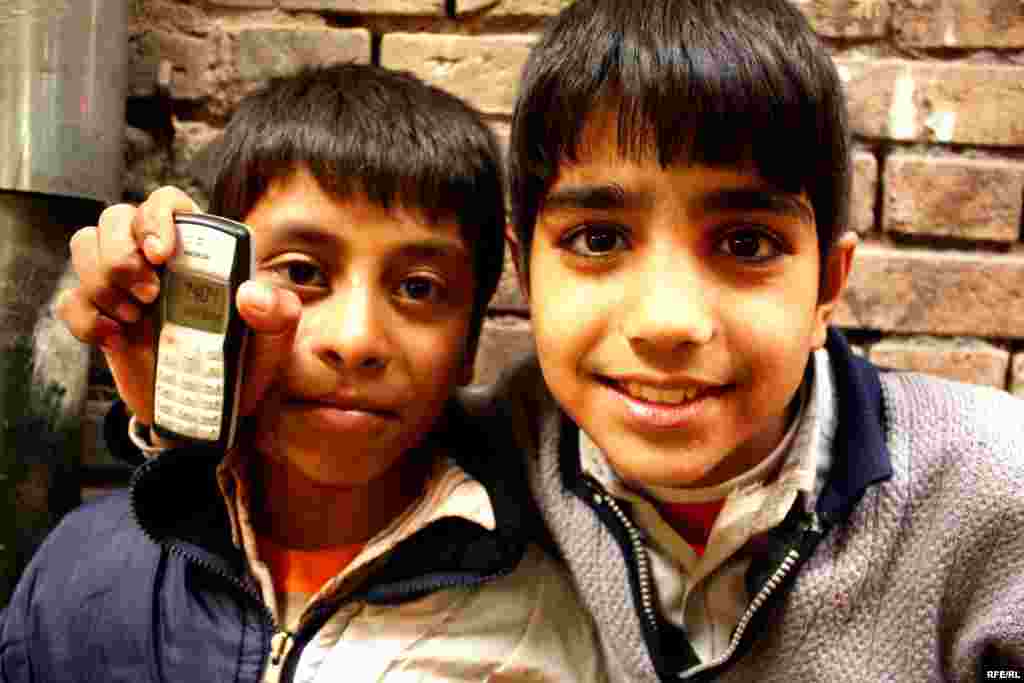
{"type": "Point", "coordinates": [923, 580]}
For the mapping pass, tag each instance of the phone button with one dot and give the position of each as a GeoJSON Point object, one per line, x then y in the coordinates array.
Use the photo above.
{"type": "Point", "coordinates": [191, 384]}
{"type": "Point", "coordinates": [167, 377]}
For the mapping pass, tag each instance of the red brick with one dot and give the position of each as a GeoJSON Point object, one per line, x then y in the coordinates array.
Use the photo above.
{"type": "Point", "coordinates": [242, 3]}
{"type": "Point", "coordinates": [503, 340]}
{"type": "Point", "coordinates": [959, 23]}
{"type": "Point", "coordinates": [976, 199]}
{"type": "Point", "coordinates": [865, 186]}
{"type": "Point", "coordinates": [943, 293]}
{"type": "Point", "coordinates": [972, 104]}
{"type": "Point", "coordinates": [412, 7]}
{"type": "Point", "coordinates": [847, 18]}
{"type": "Point", "coordinates": [266, 52]}
{"type": "Point", "coordinates": [1017, 375]}
{"type": "Point", "coordinates": [517, 8]}
{"type": "Point", "coordinates": [964, 360]}
{"type": "Point", "coordinates": [482, 70]}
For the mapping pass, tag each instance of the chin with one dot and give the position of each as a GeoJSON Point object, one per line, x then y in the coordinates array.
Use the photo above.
{"type": "Point", "coordinates": [666, 471]}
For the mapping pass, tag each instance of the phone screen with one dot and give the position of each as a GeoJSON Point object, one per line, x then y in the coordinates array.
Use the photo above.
{"type": "Point", "coordinates": [196, 302]}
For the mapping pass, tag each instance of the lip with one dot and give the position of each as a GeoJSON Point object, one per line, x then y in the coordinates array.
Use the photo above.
{"type": "Point", "coordinates": [651, 416]}
{"type": "Point", "coordinates": [347, 415]}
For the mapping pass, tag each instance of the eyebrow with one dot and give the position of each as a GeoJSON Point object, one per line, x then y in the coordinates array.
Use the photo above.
{"type": "Point", "coordinates": [423, 248]}
{"type": "Point", "coordinates": [610, 197]}
{"type": "Point", "coordinates": [432, 248]}
{"type": "Point", "coordinates": [301, 232]}
{"type": "Point", "coordinates": [596, 197]}
{"type": "Point", "coordinates": [755, 199]}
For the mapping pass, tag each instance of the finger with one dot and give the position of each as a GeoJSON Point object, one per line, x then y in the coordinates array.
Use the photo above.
{"type": "Point", "coordinates": [97, 286]}
{"type": "Point", "coordinates": [153, 227]}
{"type": "Point", "coordinates": [86, 322]}
{"type": "Point", "coordinates": [273, 316]}
{"type": "Point", "coordinates": [132, 362]}
{"type": "Point", "coordinates": [122, 262]}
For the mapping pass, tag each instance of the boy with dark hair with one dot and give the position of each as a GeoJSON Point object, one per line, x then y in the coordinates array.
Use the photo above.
{"type": "Point", "coordinates": [361, 529]}
{"type": "Point", "coordinates": [737, 495]}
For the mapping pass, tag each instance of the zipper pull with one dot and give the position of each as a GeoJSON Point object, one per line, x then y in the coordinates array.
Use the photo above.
{"type": "Point", "coordinates": [280, 646]}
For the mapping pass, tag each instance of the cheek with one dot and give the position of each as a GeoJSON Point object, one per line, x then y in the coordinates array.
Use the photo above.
{"type": "Point", "coordinates": [771, 338]}
{"type": "Point", "coordinates": [267, 425]}
{"type": "Point", "coordinates": [300, 370]}
{"type": "Point", "coordinates": [568, 314]}
{"type": "Point", "coordinates": [434, 357]}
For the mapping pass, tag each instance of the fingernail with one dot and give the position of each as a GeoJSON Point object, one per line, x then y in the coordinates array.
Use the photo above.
{"type": "Point", "coordinates": [260, 297]}
{"type": "Point", "coordinates": [154, 245]}
{"type": "Point", "coordinates": [146, 291]}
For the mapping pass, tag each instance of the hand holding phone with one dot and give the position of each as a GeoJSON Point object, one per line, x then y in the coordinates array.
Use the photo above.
{"type": "Point", "coordinates": [200, 336]}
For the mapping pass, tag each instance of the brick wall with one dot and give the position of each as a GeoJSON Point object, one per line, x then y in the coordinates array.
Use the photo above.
{"type": "Point", "coordinates": [936, 91]}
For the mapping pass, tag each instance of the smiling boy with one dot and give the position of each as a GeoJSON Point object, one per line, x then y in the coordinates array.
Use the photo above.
{"type": "Point", "coordinates": [737, 495]}
{"type": "Point", "coordinates": [361, 530]}
{"type": "Point", "coordinates": [689, 316]}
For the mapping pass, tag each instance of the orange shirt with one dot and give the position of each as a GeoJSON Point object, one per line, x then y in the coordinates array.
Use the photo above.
{"type": "Point", "coordinates": [304, 571]}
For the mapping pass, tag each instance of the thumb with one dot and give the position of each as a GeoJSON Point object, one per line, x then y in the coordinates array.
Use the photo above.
{"type": "Point", "coordinates": [272, 315]}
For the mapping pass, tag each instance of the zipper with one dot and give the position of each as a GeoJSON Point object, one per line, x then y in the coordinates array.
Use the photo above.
{"type": "Point", "coordinates": [644, 578]}
{"type": "Point", "coordinates": [290, 643]}
{"type": "Point", "coordinates": [770, 586]}
{"type": "Point", "coordinates": [280, 646]}
{"type": "Point", "coordinates": [286, 646]}
{"type": "Point", "coordinates": [282, 640]}
{"type": "Point", "coordinates": [643, 563]}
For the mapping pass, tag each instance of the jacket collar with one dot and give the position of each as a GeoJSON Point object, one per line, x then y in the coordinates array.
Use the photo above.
{"type": "Point", "coordinates": [861, 457]}
{"type": "Point", "coordinates": [177, 502]}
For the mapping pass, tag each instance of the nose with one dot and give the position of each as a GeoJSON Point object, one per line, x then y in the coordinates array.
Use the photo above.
{"type": "Point", "coordinates": [669, 307]}
{"type": "Point", "coordinates": [350, 332]}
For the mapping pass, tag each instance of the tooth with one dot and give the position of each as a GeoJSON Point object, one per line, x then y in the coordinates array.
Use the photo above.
{"type": "Point", "coordinates": [655, 395]}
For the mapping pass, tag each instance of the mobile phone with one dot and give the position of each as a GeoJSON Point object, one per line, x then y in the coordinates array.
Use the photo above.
{"type": "Point", "coordinates": [200, 337]}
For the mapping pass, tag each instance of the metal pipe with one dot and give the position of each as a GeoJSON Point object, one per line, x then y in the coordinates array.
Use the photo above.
{"type": "Point", "coordinates": [62, 80]}
{"type": "Point", "coordinates": [62, 100]}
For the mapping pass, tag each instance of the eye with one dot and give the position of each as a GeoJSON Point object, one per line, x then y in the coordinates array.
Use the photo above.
{"type": "Point", "coordinates": [750, 245]}
{"type": "Point", "coordinates": [596, 240]}
{"type": "Point", "coordinates": [420, 288]}
{"type": "Point", "coordinates": [300, 273]}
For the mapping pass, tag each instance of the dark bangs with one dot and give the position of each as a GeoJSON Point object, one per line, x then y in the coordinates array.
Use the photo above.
{"type": "Point", "coordinates": [370, 132]}
{"type": "Point", "coordinates": [722, 83]}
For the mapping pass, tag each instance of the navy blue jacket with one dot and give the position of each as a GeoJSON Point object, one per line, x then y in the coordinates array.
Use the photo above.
{"type": "Point", "coordinates": [146, 584]}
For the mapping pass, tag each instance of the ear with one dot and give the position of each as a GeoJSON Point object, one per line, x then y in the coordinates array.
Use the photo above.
{"type": "Point", "coordinates": [833, 284]}
{"type": "Point", "coordinates": [512, 239]}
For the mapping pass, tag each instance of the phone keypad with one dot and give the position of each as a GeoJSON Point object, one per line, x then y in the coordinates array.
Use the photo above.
{"type": "Point", "coordinates": [190, 393]}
